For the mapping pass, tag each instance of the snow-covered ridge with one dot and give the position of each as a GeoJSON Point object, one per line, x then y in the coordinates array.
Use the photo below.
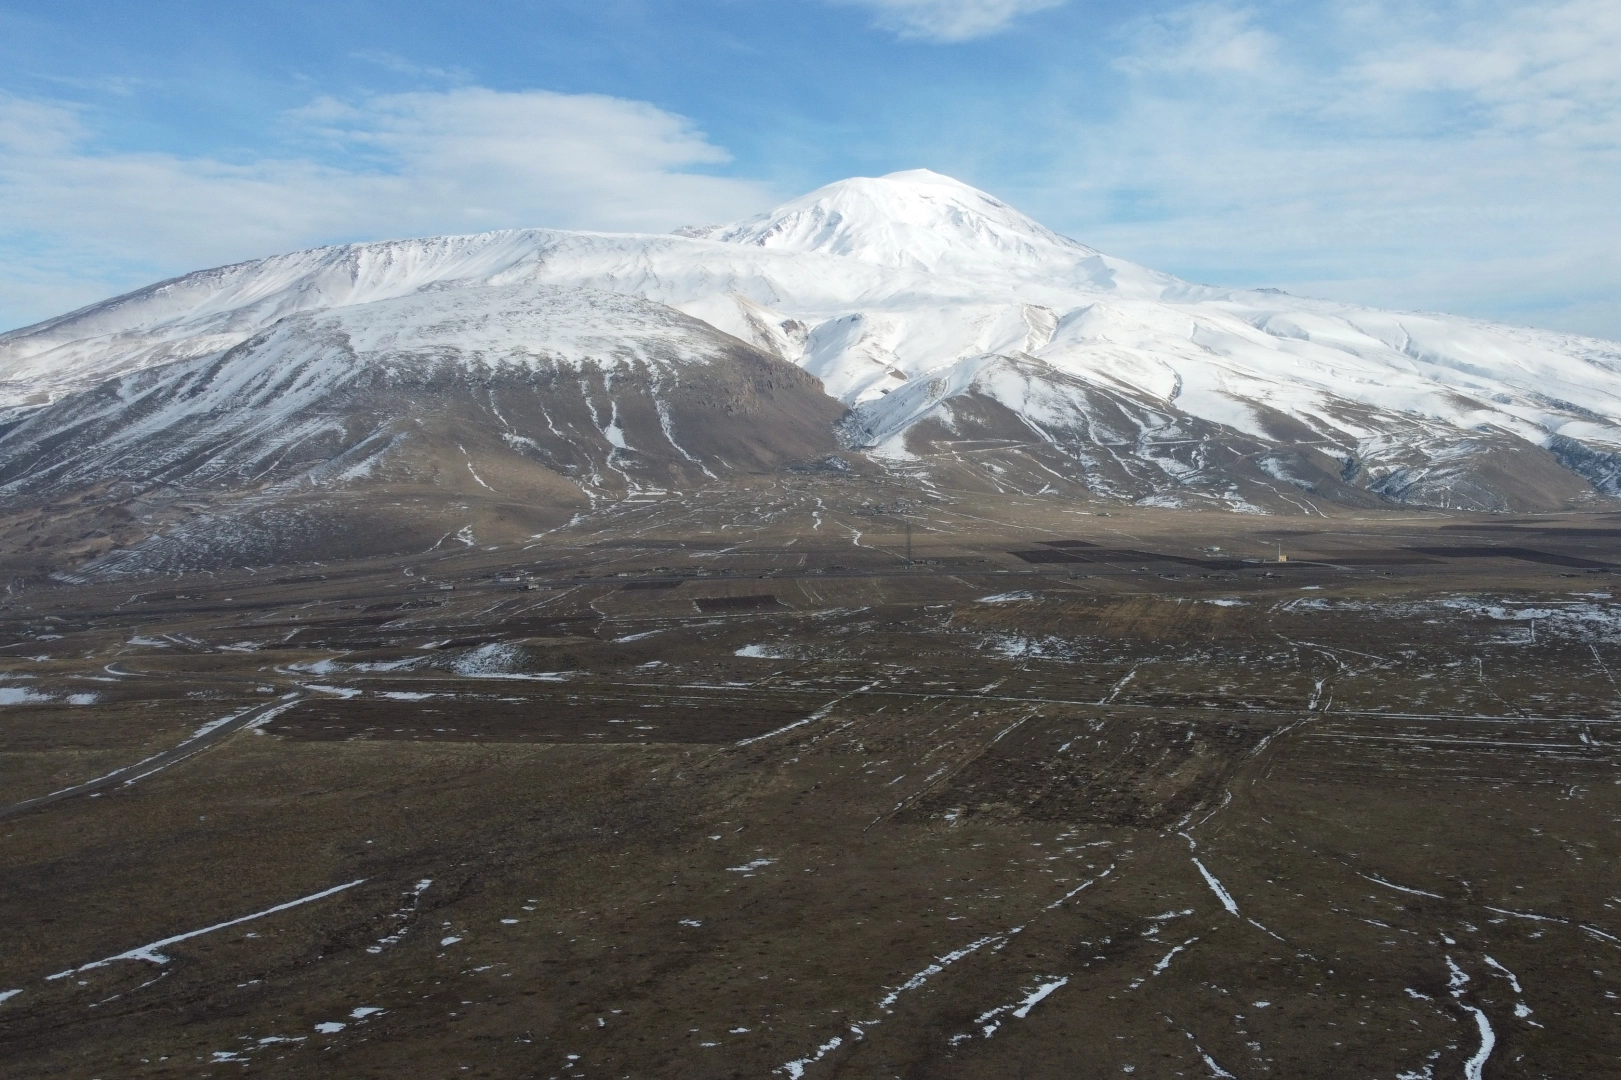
{"type": "Point", "coordinates": [910, 296]}
{"type": "Point", "coordinates": [609, 393]}
{"type": "Point", "coordinates": [508, 324]}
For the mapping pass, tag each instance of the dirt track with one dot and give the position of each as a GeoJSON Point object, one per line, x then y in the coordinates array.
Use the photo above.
{"type": "Point", "coordinates": [140, 770]}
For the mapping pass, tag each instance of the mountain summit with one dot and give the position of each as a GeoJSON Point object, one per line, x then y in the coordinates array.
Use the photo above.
{"type": "Point", "coordinates": [919, 322]}
{"type": "Point", "coordinates": [914, 220]}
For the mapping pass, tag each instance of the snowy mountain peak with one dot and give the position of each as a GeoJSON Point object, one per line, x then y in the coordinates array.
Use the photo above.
{"type": "Point", "coordinates": [919, 220]}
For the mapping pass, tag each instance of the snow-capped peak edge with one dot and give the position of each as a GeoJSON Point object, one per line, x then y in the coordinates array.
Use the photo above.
{"type": "Point", "coordinates": [917, 219]}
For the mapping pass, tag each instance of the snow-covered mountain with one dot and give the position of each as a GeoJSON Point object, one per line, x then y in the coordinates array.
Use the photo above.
{"type": "Point", "coordinates": [462, 415]}
{"type": "Point", "coordinates": [592, 384]}
{"type": "Point", "coordinates": [969, 343]}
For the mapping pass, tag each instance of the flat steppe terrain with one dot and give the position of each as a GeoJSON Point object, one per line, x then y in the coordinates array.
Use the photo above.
{"type": "Point", "coordinates": [819, 777]}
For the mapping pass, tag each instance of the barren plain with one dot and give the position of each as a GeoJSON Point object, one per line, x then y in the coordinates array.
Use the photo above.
{"type": "Point", "coordinates": [822, 777]}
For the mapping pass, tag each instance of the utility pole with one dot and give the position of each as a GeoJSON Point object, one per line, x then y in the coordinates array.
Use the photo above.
{"type": "Point", "coordinates": [908, 543]}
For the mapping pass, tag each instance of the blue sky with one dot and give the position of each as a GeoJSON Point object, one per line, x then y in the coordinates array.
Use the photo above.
{"type": "Point", "coordinates": [1460, 156]}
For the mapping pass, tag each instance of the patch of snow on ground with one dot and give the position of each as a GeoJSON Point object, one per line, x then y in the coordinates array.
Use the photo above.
{"type": "Point", "coordinates": [495, 658]}
{"type": "Point", "coordinates": [796, 1068]}
{"type": "Point", "coordinates": [989, 1021]}
{"type": "Point", "coordinates": [316, 667]}
{"type": "Point", "coordinates": [345, 692]}
{"type": "Point", "coordinates": [1222, 894]}
{"type": "Point", "coordinates": [761, 652]}
{"type": "Point", "coordinates": [152, 953]}
{"type": "Point", "coordinates": [20, 695]}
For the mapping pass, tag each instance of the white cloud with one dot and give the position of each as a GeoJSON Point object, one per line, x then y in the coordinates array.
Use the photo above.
{"type": "Point", "coordinates": [1551, 68]}
{"type": "Point", "coordinates": [1381, 154]}
{"type": "Point", "coordinates": [1203, 39]}
{"type": "Point", "coordinates": [80, 222]}
{"type": "Point", "coordinates": [949, 20]}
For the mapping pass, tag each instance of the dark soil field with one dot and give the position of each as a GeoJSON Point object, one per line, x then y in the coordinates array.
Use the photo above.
{"type": "Point", "coordinates": [823, 779]}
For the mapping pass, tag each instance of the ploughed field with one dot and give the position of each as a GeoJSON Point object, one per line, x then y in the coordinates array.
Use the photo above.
{"type": "Point", "coordinates": [820, 779]}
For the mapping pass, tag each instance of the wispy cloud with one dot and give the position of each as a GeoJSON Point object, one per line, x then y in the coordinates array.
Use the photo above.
{"type": "Point", "coordinates": [399, 65]}
{"type": "Point", "coordinates": [1548, 68]}
{"type": "Point", "coordinates": [949, 21]}
{"type": "Point", "coordinates": [1386, 155]}
{"type": "Point", "coordinates": [81, 222]}
{"type": "Point", "coordinates": [1200, 39]}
